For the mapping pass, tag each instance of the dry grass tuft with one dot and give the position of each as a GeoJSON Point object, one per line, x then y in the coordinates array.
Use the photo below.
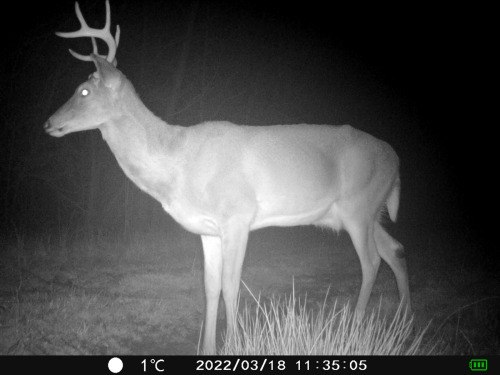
{"type": "Point", "coordinates": [289, 327]}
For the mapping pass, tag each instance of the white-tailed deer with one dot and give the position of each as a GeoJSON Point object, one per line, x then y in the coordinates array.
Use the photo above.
{"type": "Point", "coordinates": [222, 180]}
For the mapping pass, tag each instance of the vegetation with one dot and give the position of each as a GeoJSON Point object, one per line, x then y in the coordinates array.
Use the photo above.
{"type": "Point", "coordinates": [289, 326]}
{"type": "Point", "coordinates": [144, 295]}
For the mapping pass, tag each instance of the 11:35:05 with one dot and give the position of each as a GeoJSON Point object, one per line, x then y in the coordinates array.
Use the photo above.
{"type": "Point", "coordinates": [332, 365]}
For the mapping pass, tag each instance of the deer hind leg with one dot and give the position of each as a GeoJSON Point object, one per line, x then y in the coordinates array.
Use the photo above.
{"type": "Point", "coordinates": [362, 236]}
{"type": "Point", "coordinates": [393, 253]}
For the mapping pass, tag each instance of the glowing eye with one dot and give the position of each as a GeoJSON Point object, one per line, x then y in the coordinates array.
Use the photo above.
{"type": "Point", "coordinates": [85, 92]}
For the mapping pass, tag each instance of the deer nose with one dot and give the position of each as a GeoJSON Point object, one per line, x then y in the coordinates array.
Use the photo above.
{"type": "Point", "coordinates": [46, 125]}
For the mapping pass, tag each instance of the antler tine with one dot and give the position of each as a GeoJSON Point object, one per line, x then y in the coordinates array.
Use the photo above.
{"type": "Point", "coordinates": [86, 31]}
{"type": "Point", "coordinates": [117, 35]}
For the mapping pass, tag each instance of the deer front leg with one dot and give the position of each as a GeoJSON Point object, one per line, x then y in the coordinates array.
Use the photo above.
{"type": "Point", "coordinates": [212, 252]}
{"type": "Point", "coordinates": [234, 243]}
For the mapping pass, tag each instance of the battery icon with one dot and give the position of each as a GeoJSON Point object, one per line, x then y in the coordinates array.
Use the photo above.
{"type": "Point", "coordinates": [478, 364]}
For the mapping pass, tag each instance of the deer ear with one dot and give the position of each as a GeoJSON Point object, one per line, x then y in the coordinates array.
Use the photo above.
{"type": "Point", "coordinates": [108, 74]}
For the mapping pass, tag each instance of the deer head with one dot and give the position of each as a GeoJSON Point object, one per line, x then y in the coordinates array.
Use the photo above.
{"type": "Point", "coordinates": [94, 101]}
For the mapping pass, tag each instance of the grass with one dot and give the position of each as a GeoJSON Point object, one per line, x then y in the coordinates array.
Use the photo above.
{"type": "Point", "coordinates": [77, 300]}
{"type": "Point", "coordinates": [144, 295]}
{"type": "Point", "coordinates": [290, 326]}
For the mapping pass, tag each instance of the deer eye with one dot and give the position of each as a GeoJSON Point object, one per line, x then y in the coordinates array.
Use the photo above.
{"type": "Point", "coordinates": [84, 92]}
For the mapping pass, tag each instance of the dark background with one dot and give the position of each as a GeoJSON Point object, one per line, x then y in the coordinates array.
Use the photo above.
{"type": "Point", "coordinates": [416, 75]}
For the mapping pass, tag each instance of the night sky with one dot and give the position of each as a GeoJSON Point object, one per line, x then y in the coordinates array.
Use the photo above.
{"type": "Point", "coordinates": [415, 75]}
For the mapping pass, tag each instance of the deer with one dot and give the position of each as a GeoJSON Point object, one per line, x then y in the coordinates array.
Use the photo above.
{"type": "Point", "coordinates": [221, 180]}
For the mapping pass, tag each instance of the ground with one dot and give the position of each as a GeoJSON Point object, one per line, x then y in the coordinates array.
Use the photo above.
{"type": "Point", "coordinates": [144, 294]}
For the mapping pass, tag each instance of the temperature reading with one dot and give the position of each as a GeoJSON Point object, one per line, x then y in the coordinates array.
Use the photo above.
{"type": "Point", "coordinates": [157, 364]}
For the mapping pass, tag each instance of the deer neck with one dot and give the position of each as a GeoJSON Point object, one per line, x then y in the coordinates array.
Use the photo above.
{"type": "Point", "coordinates": [146, 147]}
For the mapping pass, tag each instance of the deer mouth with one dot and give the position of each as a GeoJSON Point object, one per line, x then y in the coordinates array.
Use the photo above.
{"type": "Point", "coordinates": [54, 131]}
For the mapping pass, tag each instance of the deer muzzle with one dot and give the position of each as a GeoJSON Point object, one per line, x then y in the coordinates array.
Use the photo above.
{"type": "Point", "coordinates": [53, 130]}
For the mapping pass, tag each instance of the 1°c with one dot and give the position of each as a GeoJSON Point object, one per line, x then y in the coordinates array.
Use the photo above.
{"type": "Point", "coordinates": [152, 364]}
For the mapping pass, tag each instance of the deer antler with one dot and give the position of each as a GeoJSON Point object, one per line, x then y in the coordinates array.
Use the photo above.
{"type": "Point", "coordinates": [103, 34]}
